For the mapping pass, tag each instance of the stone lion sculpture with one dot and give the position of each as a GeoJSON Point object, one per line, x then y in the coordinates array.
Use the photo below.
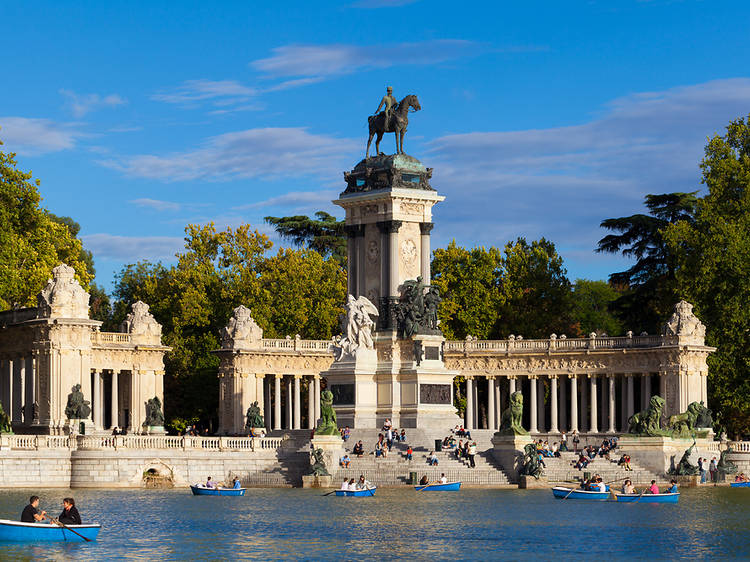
{"type": "Point", "coordinates": [648, 421]}
{"type": "Point", "coordinates": [328, 423]}
{"type": "Point", "coordinates": [684, 424]}
{"type": "Point", "coordinates": [530, 464]}
{"type": "Point", "coordinates": [510, 422]}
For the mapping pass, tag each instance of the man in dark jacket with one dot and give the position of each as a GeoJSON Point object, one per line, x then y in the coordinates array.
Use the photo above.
{"type": "Point", "coordinates": [69, 515]}
{"type": "Point", "coordinates": [31, 513]}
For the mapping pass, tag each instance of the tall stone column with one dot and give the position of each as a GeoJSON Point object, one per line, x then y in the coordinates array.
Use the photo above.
{"type": "Point", "coordinates": [22, 391]}
{"type": "Point", "coordinates": [584, 421]}
{"type": "Point", "coordinates": [645, 390]}
{"type": "Point", "coordinates": [533, 410]}
{"type": "Point", "coordinates": [573, 403]}
{"type": "Point", "coordinates": [623, 400]}
{"type": "Point", "coordinates": [663, 390]}
{"type": "Point", "coordinates": [267, 403]}
{"type": "Point", "coordinates": [351, 255]}
{"type": "Point", "coordinates": [562, 400]}
{"type": "Point", "coordinates": [511, 384]}
{"type": "Point", "coordinates": [498, 404]}
{"type": "Point", "coordinates": [114, 405]}
{"type": "Point", "coordinates": [553, 405]}
{"type": "Point", "coordinates": [317, 397]}
{"type": "Point", "coordinates": [541, 407]}
{"type": "Point", "coordinates": [630, 405]}
{"type": "Point", "coordinates": [469, 403]}
{"type": "Point", "coordinates": [30, 391]}
{"type": "Point", "coordinates": [475, 401]}
{"type": "Point", "coordinates": [310, 404]}
{"type": "Point", "coordinates": [593, 426]}
{"type": "Point", "coordinates": [277, 402]}
{"type": "Point", "coordinates": [289, 403]}
{"type": "Point", "coordinates": [297, 409]}
{"type": "Point", "coordinates": [491, 403]}
{"type": "Point", "coordinates": [611, 379]}
{"type": "Point", "coordinates": [17, 390]}
{"type": "Point", "coordinates": [97, 405]}
{"type": "Point", "coordinates": [393, 249]}
{"type": "Point", "coordinates": [425, 228]}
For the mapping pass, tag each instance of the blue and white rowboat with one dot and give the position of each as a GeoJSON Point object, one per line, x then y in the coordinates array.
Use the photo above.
{"type": "Point", "coordinates": [16, 531]}
{"type": "Point", "coordinates": [447, 487]}
{"type": "Point", "coordinates": [740, 484]}
{"type": "Point", "coordinates": [562, 493]}
{"type": "Point", "coordinates": [647, 498]}
{"type": "Point", "coordinates": [366, 493]}
{"type": "Point", "coordinates": [203, 491]}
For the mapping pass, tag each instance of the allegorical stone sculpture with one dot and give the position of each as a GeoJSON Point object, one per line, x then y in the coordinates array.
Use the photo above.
{"type": "Point", "coordinates": [392, 120]}
{"type": "Point", "coordinates": [684, 323]}
{"type": "Point", "coordinates": [253, 417]}
{"type": "Point", "coordinates": [328, 424]}
{"type": "Point", "coordinates": [63, 296]}
{"type": "Point", "coordinates": [318, 463]}
{"type": "Point", "coordinates": [241, 332]}
{"type": "Point", "coordinates": [725, 466]}
{"type": "Point", "coordinates": [358, 328]}
{"type": "Point", "coordinates": [140, 322]}
{"type": "Point", "coordinates": [510, 422]}
{"type": "Point", "coordinates": [77, 408]}
{"type": "Point", "coordinates": [154, 415]}
{"type": "Point", "coordinates": [5, 425]}
{"type": "Point", "coordinates": [648, 422]}
{"type": "Point", "coordinates": [685, 467]}
{"type": "Point", "coordinates": [416, 311]}
{"type": "Point", "coordinates": [530, 465]}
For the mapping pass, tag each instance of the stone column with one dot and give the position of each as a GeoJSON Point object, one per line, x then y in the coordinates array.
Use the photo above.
{"type": "Point", "coordinates": [17, 390]}
{"type": "Point", "coordinates": [362, 258]}
{"type": "Point", "coordinates": [114, 406]}
{"type": "Point", "coordinates": [277, 402]}
{"type": "Point", "coordinates": [311, 404]}
{"type": "Point", "coordinates": [593, 427]}
{"type": "Point", "coordinates": [425, 228]}
{"type": "Point", "coordinates": [533, 410]}
{"type": "Point", "coordinates": [630, 405]}
{"type": "Point", "coordinates": [573, 403]}
{"type": "Point", "coordinates": [491, 403]}
{"type": "Point", "coordinates": [584, 421]}
{"type": "Point", "coordinates": [268, 413]}
{"type": "Point", "coordinates": [623, 401]}
{"type": "Point", "coordinates": [511, 384]}
{"type": "Point", "coordinates": [317, 398]}
{"type": "Point", "coordinates": [469, 403]}
{"type": "Point", "coordinates": [553, 404]}
{"type": "Point", "coordinates": [30, 391]}
{"type": "Point", "coordinates": [351, 254]}
{"type": "Point", "coordinates": [663, 391]}
{"type": "Point", "coordinates": [541, 407]}
{"type": "Point", "coordinates": [475, 401]}
{"type": "Point", "coordinates": [611, 379]}
{"type": "Point", "coordinates": [22, 391]}
{"type": "Point", "coordinates": [289, 403]}
{"type": "Point", "coordinates": [498, 404]}
{"type": "Point", "coordinates": [393, 250]}
{"type": "Point", "coordinates": [297, 409]}
{"type": "Point", "coordinates": [645, 390]}
{"type": "Point", "coordinates": [562, 400]}
{"type": "Point", "coordinates": [97, 405]}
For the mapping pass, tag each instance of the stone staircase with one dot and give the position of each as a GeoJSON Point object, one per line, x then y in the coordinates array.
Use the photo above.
{"type": "Point", "coordinates": [563, 469]}
{"type": "Point", "coordinates": [394, 469]}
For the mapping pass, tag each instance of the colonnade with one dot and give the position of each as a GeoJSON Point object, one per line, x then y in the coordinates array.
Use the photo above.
{"type": "Point", "coordinates": [291, 385]}
{"type": "Point", "coordinates": [587, 403]}
{"type": "Point", "coordinates": [19, 388]}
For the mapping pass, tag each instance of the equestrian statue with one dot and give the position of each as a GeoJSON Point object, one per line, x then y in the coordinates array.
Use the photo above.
{"type": "Point", "coordinates": [394, 119]}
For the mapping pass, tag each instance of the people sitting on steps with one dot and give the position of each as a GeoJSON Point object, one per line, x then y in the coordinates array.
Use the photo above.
{"type": "Point", "coordinates": [345, 461]}
{"type": "Point", "coordinates": [432, 460]}
{"type": "Point", "coordinates": [359, 449]}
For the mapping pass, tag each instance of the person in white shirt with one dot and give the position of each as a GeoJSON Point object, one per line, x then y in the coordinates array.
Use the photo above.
{"type": "Point", "coordinates": [345, 484]}
{"type": "Point", "coordinates": [352, 485]}
{"type": "Point", "coordinates": [443, 479]}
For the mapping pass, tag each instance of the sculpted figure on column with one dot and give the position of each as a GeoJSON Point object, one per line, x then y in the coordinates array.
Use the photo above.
{"type": "Point", "coordinates": [77, 408]}
{"type": "Point", "coordinates": [241, 332]}
{"type": "Point", "coordinates": [395, 119]}
{"type": "Point", "coordinates": [63, 296]}
{"type": "Point", "coordinates": [253, 418]}
{"type": "Point", "coordinates": [328, 424]}
{"type": "Point", "coordinates": [154, 415]}
{"type": "Point", "coordinates": [358, 328]}
{"type": "Point", "coordinates": [140, 322]}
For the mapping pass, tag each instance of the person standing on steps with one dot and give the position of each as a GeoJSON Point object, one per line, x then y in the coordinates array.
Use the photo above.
{"type": "Point", "coordinates": [472, 453]}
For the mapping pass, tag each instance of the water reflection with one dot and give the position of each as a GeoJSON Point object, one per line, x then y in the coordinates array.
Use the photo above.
{"type": "Point", "coordinates": [396, 523]}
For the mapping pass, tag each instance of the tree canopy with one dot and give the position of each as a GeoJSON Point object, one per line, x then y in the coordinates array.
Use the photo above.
{"type": "Point", "coordinates": [324, 234]}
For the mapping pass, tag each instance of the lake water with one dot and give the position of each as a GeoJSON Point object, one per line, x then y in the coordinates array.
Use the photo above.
{"type": "Point", "coordinates": [477, 524]}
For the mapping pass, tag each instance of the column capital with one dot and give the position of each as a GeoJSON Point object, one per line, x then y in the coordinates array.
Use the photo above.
{"type": "Point", "coordinates": [532, 376]}
{"type": "Point", "coordinates": [317, 377]}
{"type": "Point", "coordinates": [572, 375]}
{"type": "Point", "coordinates": [260, 375]}
{"type": "Point", "coordinates": [426, 227]}
{"type": "Point", "coordinates": [297, 376]}
{"type": "Point", "coordinates": [553, 377]}
{"type": "Point", "coordinates": [389, 227]}
{"type": "Point", "coordinates": [490, 377]}
{"type": "Point", "coordinates": [278, 376]}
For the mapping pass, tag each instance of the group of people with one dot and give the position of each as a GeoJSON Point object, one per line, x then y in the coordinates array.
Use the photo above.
{"type": "Point", "coordinates": [212, 484]}
{"type": "Point", "coordinates": [713, 469]}
{"type": "Point", "coordinates": [69, 516]}
{"type": "Point", "coordinates": [353, 486]}
{"type": "Point", "coordinates": [741, 477]}
{"type": "Point", "coordinates": [459, 431]}
{"type": "Point", "coordinates": [544, 449]}
{"type": "Point", "coordinates": [628, 488]}
{"type": "Point", "coordinates": [589, 453]}
{"type": "Point", "coordinates": [424, 481]}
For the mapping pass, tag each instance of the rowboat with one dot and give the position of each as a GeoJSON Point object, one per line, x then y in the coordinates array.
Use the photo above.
{"type": "Point", "coordinates": [17, 531]}
{"type": "Point", "coordinates": [574, 494]}
{"type": "Point", "coordinates": [646, 498]}
{"type": "Point", "coordinates": [447, 487]}
{"type": "Point", "coordinates": [740, 484]}
{"type": "Point", "coordinates": [367, 492]}
{"type": "Point", "coordinates": [200, 490]}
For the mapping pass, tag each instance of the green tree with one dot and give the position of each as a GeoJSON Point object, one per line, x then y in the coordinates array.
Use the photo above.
{"type": "Point", "coordinates": [591, 301]}
{"type": "Point", "coordinates": [74, 228]}
{"type": "Point", "coordinates": [324, 234]}
{"type": "Point", "coordinates": [713, 256]}
{"type": "Point", "coordinates": [469, 282]}
{"type": "Point", "coordinates": [31, 243]}
{"type": "Point", "coordinates": [651, 283]}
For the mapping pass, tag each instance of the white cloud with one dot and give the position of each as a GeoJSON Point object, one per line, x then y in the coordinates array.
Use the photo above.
{"type": "Point", "coordinates": [297, 200]}
{"type": "Point", "coordinates": [81, 104]}
{"type": "Point", "coordinates": [157, 204]}
{"type": "Point", "coordinates": [562, 182]}
{"type": "Point", "coordinates": [36, 136]}
{"type": "Point", "coordinates": [266, 153]}
{"type": "Point", "coordinates": [132, 248]}
{"type": "Point", "coordinates": [227, 95]}
{"type": "Point", "coordinates": [327, 60]}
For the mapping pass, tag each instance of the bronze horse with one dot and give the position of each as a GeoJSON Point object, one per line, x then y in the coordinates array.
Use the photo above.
{"type": "Point", "coordinates": [398, 124]}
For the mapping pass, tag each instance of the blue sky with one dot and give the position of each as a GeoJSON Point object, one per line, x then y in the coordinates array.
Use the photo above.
{"type": "Point", "coordinates": [539, 118]}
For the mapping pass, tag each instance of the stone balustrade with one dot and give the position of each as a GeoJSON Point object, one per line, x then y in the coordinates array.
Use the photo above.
{"type": "Point", "coordinates": [739, 446]}
{"type": "Point", "coordinates": [138, 442]}
{"type": "Point", "coordinates": [105, 338]}
{"type": "Point", "coordinates": [471, 346]}
{"type": "Point", "coordinates": [296, 344]}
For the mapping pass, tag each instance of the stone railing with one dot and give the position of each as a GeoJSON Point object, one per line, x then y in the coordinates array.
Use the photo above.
{"type": "Point", "coordinates": [139, 442]}
{"type": "Point", "coordinates": [739, 446]}
{"type": "Point", "coordinates": [104, 338]}
{"type": "Point", "coordinates": [296, 344]}
{"type": "Point", "coordinates": [516, 345]}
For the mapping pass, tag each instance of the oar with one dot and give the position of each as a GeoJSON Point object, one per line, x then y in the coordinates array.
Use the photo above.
{"type": "Point", "coordinates": [64, 526]}
{"type": "Point", "coordinates": [610, 482]}
{"type": "Point", "coordinates": [329, 493]}
{"type": "Point", "coordinates": [428, 485]}
{"type": "Point", "coordinates": [571, 491]}
{"type": "Point", "coordinates": [370, 490]}
{"type": "Point", "coordinates": [640, 496]}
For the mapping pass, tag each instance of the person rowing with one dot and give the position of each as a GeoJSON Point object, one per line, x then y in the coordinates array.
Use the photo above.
{"type": "Point", "coordinates": [31, 513]}
{"type": "Point", "coordinates": [69, 515]}
{"type": "Point", "coordinates": [628, 488]}
{"type": "Point", "coordinates": [673, 488]}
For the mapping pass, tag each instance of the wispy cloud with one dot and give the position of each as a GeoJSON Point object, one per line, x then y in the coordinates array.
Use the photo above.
{"type": "Point", "coordinates": [157, 204]}
{"type": "Point", "coordinates": [266, 153]}
{"type": "Point", "coordinates": [296, 200]}
{"type": "Point", "coordinates": [562, 182]}
{"type": "Point", "coordinates": [36, 136]}
{"type": "Point", "coordinates": [132, 248]}
{"type": "Point", "coordinates": [223, 95]}
{"type": "Point", "coordinates": [328, 60]}
{"type": "Point", "coordinates": [81, 104]}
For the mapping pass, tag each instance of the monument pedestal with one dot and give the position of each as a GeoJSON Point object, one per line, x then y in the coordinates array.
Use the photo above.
{"type": "Point", "coordinates": [312, 481]}
{"type": "Point", "coordinates": [660, 454]}
{"type": "Point", "coordinates": [530, 483]}
{"type": "Point", "coordinates": [333, 449]}
{"type": "Point", "coordinates": [508, 451]}
{"type": "Point", "coordinates": [352, 382]}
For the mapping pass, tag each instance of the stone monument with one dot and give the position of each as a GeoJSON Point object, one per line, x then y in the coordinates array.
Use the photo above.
{"type": "Point", "coordinates": [154, 422]}
{"type": "Point", "coordinates": [511, 441]}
